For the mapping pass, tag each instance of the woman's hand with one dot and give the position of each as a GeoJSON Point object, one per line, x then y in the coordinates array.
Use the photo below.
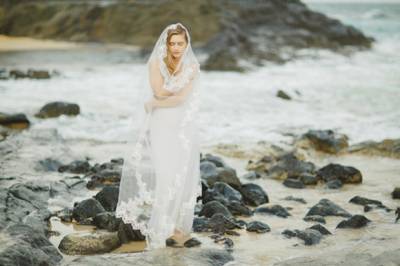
{"type": "Point", "coordinates": [149, 106]}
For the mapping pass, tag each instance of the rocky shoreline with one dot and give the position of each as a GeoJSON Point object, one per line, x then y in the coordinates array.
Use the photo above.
{"type": "Point", "coordinates": [231, 204]}
{"type": "Point", "coordinates": [236, 33]}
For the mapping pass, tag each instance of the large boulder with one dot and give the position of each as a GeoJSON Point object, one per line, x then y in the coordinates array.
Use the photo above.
{"type": "Point", "coordinates": [89, 243]}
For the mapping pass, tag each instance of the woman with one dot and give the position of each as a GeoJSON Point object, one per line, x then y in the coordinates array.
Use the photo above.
{"type": "Point", "coordinates": [160, 180]}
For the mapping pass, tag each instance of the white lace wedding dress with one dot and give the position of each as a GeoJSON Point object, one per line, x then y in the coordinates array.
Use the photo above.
{"type": "Point", "coordinates": [160, 181]}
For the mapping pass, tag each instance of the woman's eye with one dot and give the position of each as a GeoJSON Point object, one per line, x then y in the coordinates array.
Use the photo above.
{"type": "Point", "coordinates": [179, 43]}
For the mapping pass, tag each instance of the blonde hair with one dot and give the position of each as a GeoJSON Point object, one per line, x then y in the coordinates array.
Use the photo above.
{"type": "Point", "coordinates": [171, 65]}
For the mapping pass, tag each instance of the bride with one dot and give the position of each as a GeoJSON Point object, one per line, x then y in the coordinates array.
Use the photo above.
{"type": "Point", "coordinates": [160, 179]}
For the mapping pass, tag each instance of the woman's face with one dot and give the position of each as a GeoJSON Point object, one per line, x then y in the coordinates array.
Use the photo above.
{"type": "Point", "coordinates": [177, 45]}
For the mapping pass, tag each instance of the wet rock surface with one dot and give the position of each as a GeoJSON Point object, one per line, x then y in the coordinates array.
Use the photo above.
{"type": "Point", "coordinates": [23, 225]}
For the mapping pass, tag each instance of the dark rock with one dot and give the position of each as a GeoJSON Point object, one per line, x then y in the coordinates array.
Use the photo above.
{"type": "Point", "coordinates": [289, 233]}
{"type": "Point", "coordinates": [293, 183]}
{"type": "Point", "coordinates": [3, 74]}
{"type": "Point", "coordinates": [321, 229]}
{"type": "Point", "coordinates": [119, 161]}
{"type": "Point", "coordinates": [221, 192]}
{"type": "Point", "coordinates": [212, 207]}
{"type": "Point", "coordinates": [27, 204]}
{"type": "Point", "coordinates": [86, 221]}
{"type": "Point", "coordinates": [315, 218]}
{"type": "Point", "coordinates": [334, 184]}
{"type": "Point", "coordinates": [192, 242]}
{"type": "Point", "coordinates": [355, 221]}
{"type": "Point", "coordinates": [14, 121]}
{"type": "Point", "coordinates": [222, 60]}
{"type": "Point", "coordinates": [289, 166]}
{"type": "Point", "coordinates": [346, 174]}
{"type": "Point", "coordinates": [107, 220]}
{"type": "Point", "coordinates": [308, 179]}
{"type": "Point", "coordinates": [108, 197]}
{"type": "Point", "coordinates": [325, 207]}
{"type": "Point", "coordinates": [301, 200]}
{"type": "Point", "coordinates": [238, 208]}
{"type": "Point", "coordinates": [104, 177]}
{"type": "Point", "coordinates": [88, 208]}
{"type": "Point", "coordinates": [367, 208]}
{"type": "Point", "coordinates": [326, 140]}
{"type": "Point", "coordinates": [259, 227]}
{"type": "Point", "coordinates": [76, 167]}
{"type": "Point", "coordinates": [283, 95]}
{"type": "Point", "coordinates": [217, 161]}
{"type": "Point", "coordinates": [219, 223]}
{"type": "Point", "coordinates": [396, 193]}
{"type": "Point", "coordinates": [24, 224]}
{"type": "Point", "coordinates": [38, 74]}
{"type": "Point", "coordinates": [398, 214]}
{"type": "Point", "coordinates": [170, 242]}
{"type": "Point", "coordinates": [253, 194]}
{"type": "Point", "coordinates": [200, 224]}
{"type": "Point", "coordinates": [31, 73]}
{"type": "Point", "coordinates": [208, 170]}
{"type": "Point", "coordinates": [367, 202]}
{"type": "Point", "coordinates": [212, 174]}
{"type": "Point", "coordinates": [55, 109]}
{"type": "Point", "coordinates": [277, 210]}
{"type": "Point", "coordinates": [310, 236]}
{"type": "Point", "coordinates": [48, 164]}
{"type": "Point", "coordinates": [27, 246]}
{"type": "Point", "coordinates": [228, 243]}
{"type": "Point", "coordinates": [126, 233]}
{"type": "Point", "coordinates": [17, 74]}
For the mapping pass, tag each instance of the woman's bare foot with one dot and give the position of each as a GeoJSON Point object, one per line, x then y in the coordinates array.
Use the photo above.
{"type": "Point", "coordinates": [180, 236]}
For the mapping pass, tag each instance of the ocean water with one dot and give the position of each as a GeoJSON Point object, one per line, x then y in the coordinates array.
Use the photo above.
{"type": "Point", "coordinates": [357, 95]}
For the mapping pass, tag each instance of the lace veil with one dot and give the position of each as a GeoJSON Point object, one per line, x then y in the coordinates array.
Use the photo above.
{"type": "Point", "coordinates": [138, 180]}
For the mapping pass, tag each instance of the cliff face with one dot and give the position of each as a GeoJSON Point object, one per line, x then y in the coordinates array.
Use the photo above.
{"type": "Point", "coordinates": [135, 22]}
{"type": "Point", "coordinates": [253, 30]}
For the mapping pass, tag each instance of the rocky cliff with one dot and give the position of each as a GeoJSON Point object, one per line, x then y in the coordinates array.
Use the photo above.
{"type": "Point", "coordinates": [229, 32]}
